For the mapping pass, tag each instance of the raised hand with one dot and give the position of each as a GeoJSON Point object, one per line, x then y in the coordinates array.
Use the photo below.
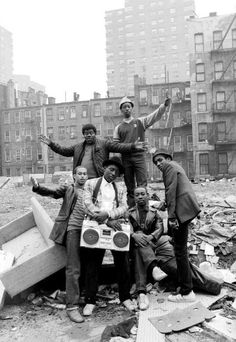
{"type": "Point", "coordinates": [44, 139]}
{"type": "Point", "coordinates": [167, 102]}
{"type": "Point", "coordinates": [34, 182]}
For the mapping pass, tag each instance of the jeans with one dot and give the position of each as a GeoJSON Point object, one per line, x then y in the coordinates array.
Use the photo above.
{"type": "Point", "coordinates": [94, 261]}
{"type": "Point", "coordinates": [184, 277]}
{"type": "Point", "coordinates": [144, 257]}
{"type": "Point", "coordinates": [73, 268]}
{"type": "Point", "coordinates": [134, 168]}
{"type": "Point", "coordinates": [165, 259]}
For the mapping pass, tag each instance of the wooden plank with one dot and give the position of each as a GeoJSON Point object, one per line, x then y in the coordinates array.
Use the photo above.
{"type": "Point", "coordinates": [42, 220]}
{"type": "Point", "coordinates": [22, 276]}
{"type": "Point", "coordinates": [16, 227]}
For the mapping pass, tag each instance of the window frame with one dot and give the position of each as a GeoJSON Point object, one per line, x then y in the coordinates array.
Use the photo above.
{"type": "Point", "coordinates": [202, 165]}
{"type": "Point", "coordinates": [200, 75]}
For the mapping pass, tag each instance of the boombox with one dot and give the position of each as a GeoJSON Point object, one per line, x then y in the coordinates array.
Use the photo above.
{"type": "Point", "coordinates": [96, 235]}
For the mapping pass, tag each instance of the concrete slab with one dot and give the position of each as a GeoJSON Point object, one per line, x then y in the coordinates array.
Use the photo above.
{"type": "Point", "coordinates": [224, 326]}
{"type": "Point", "coordinates": [146, 331]}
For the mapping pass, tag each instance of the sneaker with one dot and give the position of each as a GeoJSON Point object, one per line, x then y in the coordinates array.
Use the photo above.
{"type": "Point", "coordinates": [143, 302]}
{"type": "Point", "coordinates": [158, 274]}
{"type": "Point", "coordinates": [129, 305]}
{"type": "Point", "coordinates": [88, 309]}
{"type": "Point", "coordinates": [74, 315]}
{"type": "Point", "coordinates": [182, 298]}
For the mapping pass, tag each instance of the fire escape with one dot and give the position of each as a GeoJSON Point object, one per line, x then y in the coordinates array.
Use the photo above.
{"type": "Point", "coordinates": [222, 131]}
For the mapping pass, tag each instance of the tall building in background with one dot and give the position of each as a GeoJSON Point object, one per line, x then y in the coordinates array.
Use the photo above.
{"type": "Point", "coordinates": [6, 55]}
{"type": "Point", "coordinates": [213, 94]}
{"type": "Point", "coordinates": [148, 38]}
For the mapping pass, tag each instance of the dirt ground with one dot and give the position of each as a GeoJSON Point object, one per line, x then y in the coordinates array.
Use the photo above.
{"type": "Point", "coordinates": [32, 323]}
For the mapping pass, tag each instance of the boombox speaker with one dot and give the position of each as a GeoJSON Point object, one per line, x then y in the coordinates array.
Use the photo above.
{"type": "Point", "coordinates": [96, 235]}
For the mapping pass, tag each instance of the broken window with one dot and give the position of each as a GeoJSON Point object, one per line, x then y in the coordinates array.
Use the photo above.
{"type": "Point", "coordinates": [204, 163]}
{"type": "Point", "coordinates": [202, 131]}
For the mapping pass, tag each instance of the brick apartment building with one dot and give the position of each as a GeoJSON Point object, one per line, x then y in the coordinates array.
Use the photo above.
{"type": "Point", "coordinates": [213, 94]}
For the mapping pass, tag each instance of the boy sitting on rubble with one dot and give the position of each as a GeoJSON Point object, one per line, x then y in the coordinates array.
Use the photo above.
{"type": "Point", "coordinates": [154, 254]}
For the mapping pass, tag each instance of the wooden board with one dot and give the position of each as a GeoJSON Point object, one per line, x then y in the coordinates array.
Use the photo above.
{"type": "Point", "coordinates": [16, 227]}
{"type": "Point", "coordinates": [33, 270]}
{"type": "Point", "coordinates": [37, 257]}
{"type": "Point", "coordinates": [42, 220]}
{"type": "Point", "coordinates": [6, 261]}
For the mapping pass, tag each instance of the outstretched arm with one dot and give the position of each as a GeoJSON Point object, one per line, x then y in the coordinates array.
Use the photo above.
{"type": "Point", "coordinates": [45, 191]}
{"type": "Point", "coordinates": [150, 119]}
{"type": "Point", "coordinates": [64, 151]}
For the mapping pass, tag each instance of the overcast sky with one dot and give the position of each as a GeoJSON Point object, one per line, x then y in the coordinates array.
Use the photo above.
{"type": "Point", "coordinates": [61, 43]}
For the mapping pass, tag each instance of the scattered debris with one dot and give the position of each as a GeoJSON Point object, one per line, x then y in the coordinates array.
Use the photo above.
{"type": "Point", "coordinates": [180, 319]}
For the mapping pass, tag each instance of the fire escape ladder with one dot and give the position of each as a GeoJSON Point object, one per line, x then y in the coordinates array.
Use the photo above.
{"type": "Point", "coordinates": [229, 97]}
{"type": "Point", "coordinates": [229, 27]}
{"type": "Point", "coordinates": [223, 73]}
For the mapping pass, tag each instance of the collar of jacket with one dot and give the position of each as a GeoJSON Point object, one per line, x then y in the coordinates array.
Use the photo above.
{"type": "Point", "coordinates": [151, 213]}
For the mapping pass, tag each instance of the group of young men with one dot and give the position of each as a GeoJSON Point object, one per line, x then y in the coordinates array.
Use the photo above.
{"type": "Point", "coordinates": [96, 195]}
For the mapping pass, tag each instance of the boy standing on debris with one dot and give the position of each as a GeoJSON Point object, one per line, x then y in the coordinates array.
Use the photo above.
{"type": "Point", "coordinates": [182, 208]}
{"type": "Point", "coordinates": [66, 231]}
{"type": "Point", "coordinates": [105, 202]}
{"type": "Point", "coordinates": [128, 131]}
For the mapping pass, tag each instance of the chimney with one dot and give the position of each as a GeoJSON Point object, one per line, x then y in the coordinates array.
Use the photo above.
{"type": "Point", "coordinates": [96, 95]}
{"type": "Point", "coordinates": [212, 14]}
{"type": "Point", "coordinates": [51, 100]}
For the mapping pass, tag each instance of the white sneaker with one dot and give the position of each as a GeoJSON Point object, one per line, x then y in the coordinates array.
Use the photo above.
{"type": "Point", "coordinates": [182, 298]}
{"type": "Point", "coordinates": [158, 274]}
{"type": "Point", "coordinates": [143, 301]}
{"type": "Point", "coordinates": [88, 309]}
